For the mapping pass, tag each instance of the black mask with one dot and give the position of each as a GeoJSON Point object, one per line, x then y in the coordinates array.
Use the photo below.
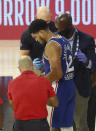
{"type": "Point", "coordinates": [65, 33]}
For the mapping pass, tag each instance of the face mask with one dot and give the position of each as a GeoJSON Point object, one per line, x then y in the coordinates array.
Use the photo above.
{"type": "Point", "coordinates": [65, 32]}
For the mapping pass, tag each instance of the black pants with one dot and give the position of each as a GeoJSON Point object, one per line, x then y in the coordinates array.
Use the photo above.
{"type": "Point", "coordinates": [31, 125]}
{"type": "Point", "coordinates": [92, 110]}
{"type": "Point", "coordinates": [74, 126]}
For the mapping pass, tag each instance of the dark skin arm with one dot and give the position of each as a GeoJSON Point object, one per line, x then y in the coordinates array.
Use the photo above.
{"type": "Point", "coordinates": [11, 103]}
{"type": "Point", "coordinates": [53, 101]}
{"type": "Point", "coordinates": [53, 53]}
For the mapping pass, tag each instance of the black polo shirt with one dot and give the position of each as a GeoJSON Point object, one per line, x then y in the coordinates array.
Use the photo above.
{"type": "Point", "coordinates": [29, 43]}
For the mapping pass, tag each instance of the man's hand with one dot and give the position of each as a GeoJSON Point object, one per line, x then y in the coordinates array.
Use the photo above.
{"type": "Point", "coordinates": [37, 63]}
{"type": "Point", "coordinates": [81, 57]}
{"type": "Point", "coordinates": [11, 103]}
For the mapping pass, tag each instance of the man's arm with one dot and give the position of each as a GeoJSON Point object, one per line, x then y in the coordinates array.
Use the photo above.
{"type": "Point", "coordinates": [11, 103]}
{"type": "Point", "coordinates": [53, 101]}
{"type": "Point", "coordinates": [92, 54]}
{"type": "Point", "coordinates": [88, 58]}
{"type": "Point", "coordinates": [53, 52]}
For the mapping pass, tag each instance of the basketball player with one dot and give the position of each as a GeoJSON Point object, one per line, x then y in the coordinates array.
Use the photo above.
{"type": "Point", "coordinates": [58, 67]}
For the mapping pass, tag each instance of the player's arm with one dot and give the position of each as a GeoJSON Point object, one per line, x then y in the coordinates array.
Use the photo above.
{"type": "Point", "coordinates": [53, 101]}
{"type": "Point", "coordinates": [53, 52]}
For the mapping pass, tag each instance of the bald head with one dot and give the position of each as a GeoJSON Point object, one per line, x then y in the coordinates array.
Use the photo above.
{"type": "Point", "coordinates": [25, 63]}
{"type": "Point", "coordinates": [44, 13]}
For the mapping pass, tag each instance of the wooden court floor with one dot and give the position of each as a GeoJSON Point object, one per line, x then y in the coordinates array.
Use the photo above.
{"type": "Point", "coordinates": [9, 55]}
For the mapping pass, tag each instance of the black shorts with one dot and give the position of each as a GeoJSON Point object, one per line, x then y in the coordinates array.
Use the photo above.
{"type": "Point", "coordinates": [31, 125]}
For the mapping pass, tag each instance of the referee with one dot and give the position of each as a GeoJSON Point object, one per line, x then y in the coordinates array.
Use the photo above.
{"type": "Point", "coordinates": [28, 95]}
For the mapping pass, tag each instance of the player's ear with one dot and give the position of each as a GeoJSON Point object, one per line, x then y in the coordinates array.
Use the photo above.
{"type": "Point", "coordinates": [19, 68]}
{"type": "Point", "coordinates": [32, 67]}
{"type": "Point", "coordinates": [42, 33]}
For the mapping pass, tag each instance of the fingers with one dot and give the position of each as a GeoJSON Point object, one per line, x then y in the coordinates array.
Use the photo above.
{"type": "Point", "coordinates": [36, 61]}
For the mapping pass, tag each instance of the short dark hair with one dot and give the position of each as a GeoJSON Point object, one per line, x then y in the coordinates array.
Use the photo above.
{"type": "Point", "coordinates": [64, 16]}
{"type": "Point", "coordinates": [37, 25]}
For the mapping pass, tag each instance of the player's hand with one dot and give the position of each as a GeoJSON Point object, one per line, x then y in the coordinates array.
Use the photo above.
{"type": "Point", "coordinates": [37, 63]}
{"type": "Point", "coordinates": [81, 56]}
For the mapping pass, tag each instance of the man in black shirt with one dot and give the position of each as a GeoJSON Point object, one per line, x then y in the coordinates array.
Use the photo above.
{"type": "Point", "coordinates": [28, 45]}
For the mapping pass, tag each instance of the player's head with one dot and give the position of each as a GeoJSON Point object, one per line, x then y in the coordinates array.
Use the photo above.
{"type": "Point", "coordinates": [25, 63]}
{"type": "Point", "coordinates": [64, 23]}
{"type": "Point", "coordinates": [44, 13]}
{"type": "Point", "coordinates": [39, 30]}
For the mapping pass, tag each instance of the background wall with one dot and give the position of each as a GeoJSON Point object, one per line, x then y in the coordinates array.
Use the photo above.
{"type": "Point", "coordinates": [16, 15]}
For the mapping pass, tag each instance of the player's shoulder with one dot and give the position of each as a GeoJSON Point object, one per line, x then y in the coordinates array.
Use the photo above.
{"type": "Point", "coordinates": [57, 41]}
{"type": "Point", "coordinates": [60, 38]}
{"type": "Point", "coordinates": [52, 47]}
{"type": "Point", "coordinates": [52, 44]}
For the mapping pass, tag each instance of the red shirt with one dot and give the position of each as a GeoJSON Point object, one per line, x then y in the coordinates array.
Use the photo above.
{"type": "Point", "coordinates": [29, 93]}
{"type": "Point", "coordinates": [1, 101]}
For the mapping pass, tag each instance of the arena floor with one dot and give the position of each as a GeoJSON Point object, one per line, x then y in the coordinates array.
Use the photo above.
{"type": "Point", "coordinates": [9, 55]}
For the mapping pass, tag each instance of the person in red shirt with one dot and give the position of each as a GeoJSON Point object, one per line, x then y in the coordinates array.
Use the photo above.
{"type": "Point", "coordinates": [1, 101]}
{"type": "Point", "coordinates": [1, 114]}
{"type": "Point", "coordinates": [28, 95]}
